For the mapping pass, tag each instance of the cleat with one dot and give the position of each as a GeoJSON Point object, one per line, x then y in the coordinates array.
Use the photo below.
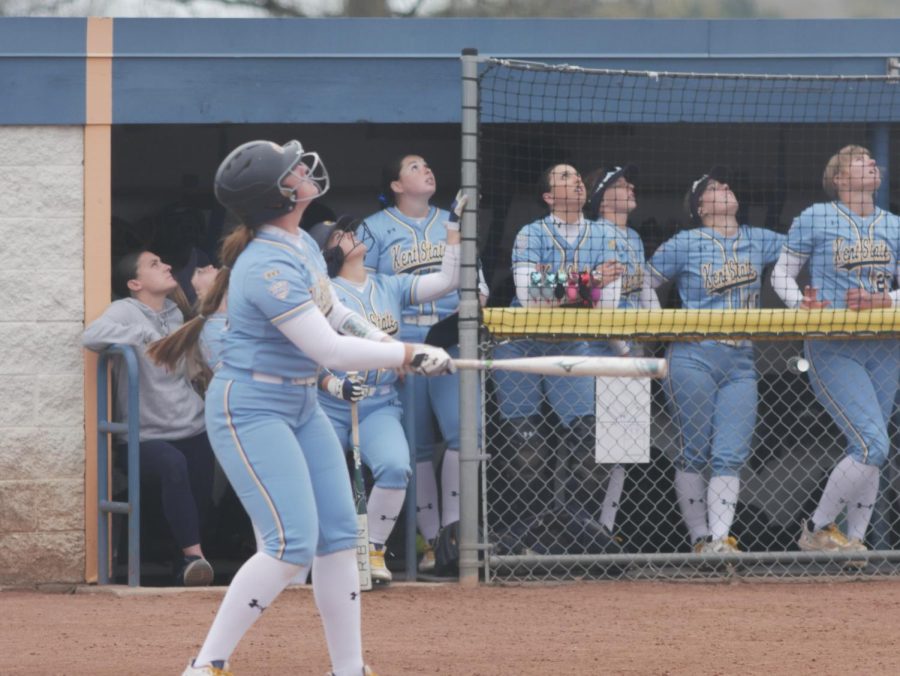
{"type": "Point", "coordinates": [195, 572]}
{"type": "Point", "coordinates": [207, 670]}
{"type": "Point", "coordinates": [427, 562]}
{"type": "Point", "coordinates": [856, 545]}
{"type": "Point", "coordinates": [700, 544]}
{"type": "Point", "coordinates": [827, 539]}
{"type": "Point", "coordinates": [727, 545]}
{"type": "Point", "coordinates": [380, 573]}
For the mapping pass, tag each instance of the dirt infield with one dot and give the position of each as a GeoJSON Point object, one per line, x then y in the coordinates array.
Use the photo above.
{"type": "Point", "coordinates": [577, 628]}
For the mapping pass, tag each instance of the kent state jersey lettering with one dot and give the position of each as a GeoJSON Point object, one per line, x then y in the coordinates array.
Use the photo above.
{"type": "Point", "coordinates": [381, 300]}
{"type": "Point", "coordinates": [541, 243]}
{"type": "Point", "coordinates": [846, 250]}
{"type": "Point", "coordinates": [714, 272]}
{"type": "Point", "coordinates": [403, 245]}
{"type": "Point", "coordinates": [625, 247]}
{"type": "Point", "coordinates": [276, 278]}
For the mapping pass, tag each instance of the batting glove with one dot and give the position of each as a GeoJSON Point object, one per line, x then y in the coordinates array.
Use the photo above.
{"type": "Point", "coordinates": [348, 389]}
{"type": "Point", "coordinates": [428, 360]}
{"type": "Point", "coordinates": [456, 210]}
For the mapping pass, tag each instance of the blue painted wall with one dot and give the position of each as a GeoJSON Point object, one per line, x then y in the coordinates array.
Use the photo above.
{"type": "Point", "coordinates": [42, 71]}
{"type": "Point", "coordinates": [383, 70]}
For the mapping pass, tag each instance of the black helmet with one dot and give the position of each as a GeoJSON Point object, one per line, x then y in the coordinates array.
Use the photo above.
{"type": "Point", "coordinates": [321, 233]}
{"type": "Point", "coordinates": [249, 181]}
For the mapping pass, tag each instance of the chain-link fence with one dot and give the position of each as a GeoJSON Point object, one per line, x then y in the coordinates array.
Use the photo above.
{"type": "Point", "coordinates": [553, 511]}
{"type": "Point", "coordinates": [759, 454]}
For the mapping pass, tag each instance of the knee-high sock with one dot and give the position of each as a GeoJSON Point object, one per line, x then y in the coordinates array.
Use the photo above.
{"type": "Point", "coordinates": [721, 503]}
{"type": "Point", "coordinates": [450, 487]}
{"type": "Point", "coordinates": [336, 588]}
{"type": "Point", "coordinates": [612, 497]}
{"type": "Point", "coordinates": [384, 507]}
{"type": "Point", "coordinates": [691, 491]}
{"type": "Point", "coordinates": [859, 511]}
{"type": "Point", "coordinates": [846, 482]}
{"type": "Point", "coordinates": [427, 500]}
{"type": "Point", "coordinates": [253, 588]}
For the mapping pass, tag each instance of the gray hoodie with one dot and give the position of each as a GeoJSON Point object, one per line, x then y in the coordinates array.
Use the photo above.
{"type": "Point", "coordinates": [170, 407]}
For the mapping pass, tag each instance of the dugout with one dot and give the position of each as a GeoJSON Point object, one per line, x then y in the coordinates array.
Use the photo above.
{"type": "Point", "coordinates": [106, 122]}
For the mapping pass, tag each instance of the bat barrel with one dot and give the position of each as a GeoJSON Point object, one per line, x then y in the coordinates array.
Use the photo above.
{"type": "Point", "coordinates": [627, 367]}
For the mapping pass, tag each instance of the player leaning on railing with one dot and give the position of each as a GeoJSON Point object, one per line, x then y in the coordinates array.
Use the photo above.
{"type": "Point", "coordinates": [558, 260]}
{"type": "Point", "coordinates": [712, 383]}
{"type": "Point", "coordinates": [174, 449]}
{"type": "Point", "coordinates": [853, 249]}
{"type": "Point", "coordinates": [611, 200]}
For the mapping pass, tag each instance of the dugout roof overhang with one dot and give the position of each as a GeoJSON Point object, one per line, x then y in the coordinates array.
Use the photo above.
{"type": "Point", "coordinates": [212, 71]}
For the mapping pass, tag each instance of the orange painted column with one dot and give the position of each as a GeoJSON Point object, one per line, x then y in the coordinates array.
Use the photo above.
{"type": "Point", "coordinates": [97, 247]}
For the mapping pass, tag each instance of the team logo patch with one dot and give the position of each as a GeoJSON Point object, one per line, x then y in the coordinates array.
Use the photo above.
{"type": "Point", "coordinates": [321, 294]}
{"type": "Point", "coordinates": [279, 289]}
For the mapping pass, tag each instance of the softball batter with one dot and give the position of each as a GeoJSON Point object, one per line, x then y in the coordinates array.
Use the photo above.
{"type": "Point", "coordinates": [276, 446]}
{"type": "Point", "coordinates": [712, 383]}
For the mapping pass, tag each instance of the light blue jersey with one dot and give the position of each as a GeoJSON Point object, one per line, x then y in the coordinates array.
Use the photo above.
{"type": "Point", "coordinates": [212, 339]}
{"type": "Point", "coordinates": [271, 437]}
{"type": "Point", "coordinates": [712, 384]}
{"type": "Point", "coordinates": [275, 279]}
{"type": "Point", "coordinates": [415, 246]}
{"type": "Point", "coordinates": [381, 300]}
{"type": "Point", "coordinates": [625, 246]}
{"type": "Point", "coordinates": [541, 243]}
{"type": "Point", "coordinates": [854, 380]}
{"type": "Point", "coordinates": [846, 250]}
{"type": "Point", "coordinates": [714, 272]}
{"type": "Point", "coordinates": [520, 395]}
{"type": "Point", "coordinates": [384, 449]}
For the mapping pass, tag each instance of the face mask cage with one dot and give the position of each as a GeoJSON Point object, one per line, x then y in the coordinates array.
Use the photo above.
{"type": "Point", "coordinates": [335, 256]}
{"type": "Point", "coordinates": [315, 172]}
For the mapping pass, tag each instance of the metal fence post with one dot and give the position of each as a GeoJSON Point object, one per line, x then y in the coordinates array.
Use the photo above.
{"type": "Point", "coordinates": [469, 414]}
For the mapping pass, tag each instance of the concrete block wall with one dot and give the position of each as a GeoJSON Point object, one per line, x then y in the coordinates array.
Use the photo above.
{"type": "Point", "coordinates": [41, 363]}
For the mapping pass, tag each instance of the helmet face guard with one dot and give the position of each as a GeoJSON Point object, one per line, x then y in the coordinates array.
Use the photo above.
{"type": "Point", "coordinates": [334, 255]}
{"type": "Point", "coordinates": [315, 172]}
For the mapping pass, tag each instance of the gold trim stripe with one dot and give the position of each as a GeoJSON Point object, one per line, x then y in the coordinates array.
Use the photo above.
{"type": "Point", "coordinates": [97, 243]}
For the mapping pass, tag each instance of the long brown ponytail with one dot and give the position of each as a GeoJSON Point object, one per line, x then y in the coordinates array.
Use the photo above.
{"type": "Point", "coordinates": [169, 351]}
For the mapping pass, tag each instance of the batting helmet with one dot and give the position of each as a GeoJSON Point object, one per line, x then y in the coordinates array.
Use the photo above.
{"type": "Point", "coordinates": [321, 233]}
{"type": "Point", "coordinates": [249, 182]}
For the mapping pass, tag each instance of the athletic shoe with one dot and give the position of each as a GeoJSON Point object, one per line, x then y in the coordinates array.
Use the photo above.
{"type": "Point", "coordinates": [856, 545]}
{"type": "Point", "coordinates": [195, 572]}
{"type": "Point", "coordinates": [827, 539]}
{"type": "Point", "coordinates": [380, 573]}
{"type": "Point", "coordinates": [700, 544]}
{"type": "Point", "coordinates": [208, 670]}
{"type": "Point", "coordinates": [727, 545]}
{"type": "Point", "coordinates": [427, 562]}
{"type": "Point", "coordinates": [367, 671]}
